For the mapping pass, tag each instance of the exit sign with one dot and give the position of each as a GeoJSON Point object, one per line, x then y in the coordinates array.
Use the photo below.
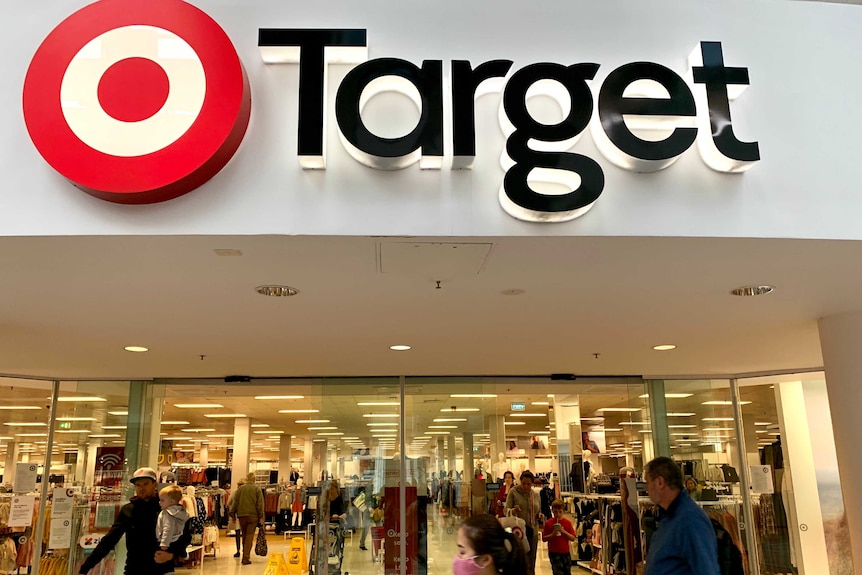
{"type": "Point", "coordinates": [519, 407]}
{"type": "Point", "coordinates": [65, 425]}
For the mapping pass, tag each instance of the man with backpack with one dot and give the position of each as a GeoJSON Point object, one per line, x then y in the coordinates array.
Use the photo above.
{"type": "Point", "coordinates": [685, 541]}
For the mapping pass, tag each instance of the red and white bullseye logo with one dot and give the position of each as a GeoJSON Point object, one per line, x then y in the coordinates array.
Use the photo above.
{"type": "Point", "coordinates": [136, 101]}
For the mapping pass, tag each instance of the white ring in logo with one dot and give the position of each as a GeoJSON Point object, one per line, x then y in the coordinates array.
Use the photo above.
{"type": "Point", "coordinates": [89, 121]}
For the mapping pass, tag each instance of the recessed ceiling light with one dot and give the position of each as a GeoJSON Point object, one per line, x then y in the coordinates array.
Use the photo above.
{"type": "Point", "coordinates": [592, 419]}
{"type": "Point", "coordinates": [260, 425]}
{"type": "Point", "coordinates": [105, 435]}
{"type": "Point", "coordinates": [400, 347]}
{"type": "Point", "coordinates": [680, 414]}
{"type": "Point", "coordinates": [379, 404]}
{"type": "Point", "coordinates": [681, 426]}
{"type": "Point", "coordinates": [389, 415]}
{"type": "Point", "coordinates": [136, 349]}
{"type": "Point", "coordinates": [76, 419]}
{"type": "Point", "coordinates": [330, 428]}
{"type": "Point", "coordinates": [334, 433]}
{"type": "Point", "coordinates": [383, 436]}
{"type": "Point", "coordinates": [81, 398]}
{"type": "Point", "coordinates": [267, 397]}
{"type": "Point", "coordinates": [515, 291]}
{"type": "Point", "coordinates": [311, 421]}
{"type": "Point", "coordinates": [541, 403]}
{"type": "Point", "coordinates": [746, 291]}
{"type": "Point", "coordinates": [620, 409]}
{"type": "Point", "coordinates": [449, 419]}
{"type": "Point", "coordinates": [717, 419]}
{"type": "Point", "coordinates": [175, 423]}
{"type": "Point", "coordinates": [392, 424]}
{"type": "Point", "coordinates": [299, 411]}
{"type": "Point", "coordinates": [118, 413]}
{"type": "Point", "coordinates": [225, 415]}
{"type": "Point", "coordinates": [664, 347]}
{"type": "Point", "coordinates": [438, 433]}
{"type": "Point", "coordinates": [26, 424]}
{"type": "Point", "coordinates": [724, 402]}
{"type": "Point", "coordinates": [113, 427]}
{"type": "Point", "coordinates": [609, 429]}
{"type": "Point", "coordinates": [31, 435]}
{"type": "Point", "coordinates": [197, 405]}
{"type": "Point", "coordinates": [473, 395]}
{"type": "Point", "coordinates": [669, 395]}
{"type": "Point", "coordinates": [514, 423]}
{"type": "Point", "coordinates": [192, 429]}
{"type": "Point", "coordinates": [276, 291]}
{"type": "Point", "coordinates": [539, 432]}
{"type": "Point", "coordinates": [762, 423]}
{"type": "Point", "coordinates": [19, 407]}
{"type": "Point", "coordinates": [528, 415]}
{"type": "Point", "coordinates": [87, 431]}
{"type": "Point", "coordinates": [633, 423]}
{"type": "Point", "coordinates": [444, 426]}
{"type": "Point", "coordinates": [459, 409]}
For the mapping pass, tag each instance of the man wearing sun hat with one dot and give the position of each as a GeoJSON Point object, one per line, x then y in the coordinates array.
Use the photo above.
{"type": "Point", "coordinates": [137, 521]}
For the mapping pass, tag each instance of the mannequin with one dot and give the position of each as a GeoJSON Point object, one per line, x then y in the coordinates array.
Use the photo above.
{"type": "Point", "coordinates": [297, 506]}
{"type": "Point", "coordinates": [590, 472]}
{"type": "Point", "coordinates": [500, 467]}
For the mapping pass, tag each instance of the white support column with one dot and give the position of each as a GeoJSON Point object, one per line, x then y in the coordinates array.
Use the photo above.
{"type": "Point", "coordinates": [204, 457]}
{"type": "Point", "coordinates": [799, 481]}
{"type": "Point", "coordinates": [284, 459]}
{"type": "Point", "coordinates": [241, 447]}
{"type": "Point", "coordinates": [308, 471]}
{"type": "Point", "coordinates": [839, 340]}
{"type": "Point", "coordinates": [89, 478]}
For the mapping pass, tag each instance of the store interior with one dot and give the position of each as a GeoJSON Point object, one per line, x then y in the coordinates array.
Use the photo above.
{"type": "Point", "coordinates": [294, 434]}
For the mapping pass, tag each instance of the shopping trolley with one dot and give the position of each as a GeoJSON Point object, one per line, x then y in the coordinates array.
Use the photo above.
{"type": "Point", "coordinates": [335, 555]}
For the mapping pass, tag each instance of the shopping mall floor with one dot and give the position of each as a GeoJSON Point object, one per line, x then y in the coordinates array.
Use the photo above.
{"type": "Point", "coordinates": [441, 549]}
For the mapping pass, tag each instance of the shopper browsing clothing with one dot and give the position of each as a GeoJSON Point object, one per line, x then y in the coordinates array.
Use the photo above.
{"type": "Point", "coordinates": [485, 548]}
{"type": "Point", "coordinates": [336, 503]}
{"type": "Point", "coordinates": [137, 521]}
{"type": "Point", "coordinates": [684, 543]}
{"type": "Point", "coordinates": [247, 506]}
{"type": "Point", "coordinates": [526, 505]}
{"type": "Point", "coordinates": [558, 531]}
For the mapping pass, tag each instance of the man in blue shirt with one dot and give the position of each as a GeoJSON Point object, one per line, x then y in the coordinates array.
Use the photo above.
{"type": "Point", "coordinates": [684, 543]}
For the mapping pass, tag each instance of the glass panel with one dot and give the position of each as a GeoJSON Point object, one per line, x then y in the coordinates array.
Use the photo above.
{"type": "Point", "coordinates": [796, 485]}
{"type": "Point", "coordinates": [464, 434]}
{"type": "Point", "coordinates": [702, 431]}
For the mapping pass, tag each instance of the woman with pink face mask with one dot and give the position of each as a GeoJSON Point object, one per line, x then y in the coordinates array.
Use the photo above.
{"type": "Point", "coordinates": [485, 548]}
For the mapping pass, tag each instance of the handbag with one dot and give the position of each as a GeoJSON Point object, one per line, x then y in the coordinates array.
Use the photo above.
{"type": "Point", "coordinates": [260, 547]}
{"type": "Point", "coordinates": [517, 527]}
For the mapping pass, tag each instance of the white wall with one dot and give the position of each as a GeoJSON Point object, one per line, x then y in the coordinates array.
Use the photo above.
{"type": "Point", "coordinates": [801, 107]}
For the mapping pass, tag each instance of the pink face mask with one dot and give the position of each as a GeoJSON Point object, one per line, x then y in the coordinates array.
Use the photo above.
{"type": "Point", "coordinates": [465, 566]}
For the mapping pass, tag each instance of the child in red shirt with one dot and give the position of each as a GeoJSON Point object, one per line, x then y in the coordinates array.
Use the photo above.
{"type": "Point", "coordinates": [558, 531]}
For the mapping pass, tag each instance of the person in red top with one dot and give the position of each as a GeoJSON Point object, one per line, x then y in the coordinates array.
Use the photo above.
{"type": "Point", "coordinates": [558, 531]}
{"type": "Point", "coordinates": [508, 482]}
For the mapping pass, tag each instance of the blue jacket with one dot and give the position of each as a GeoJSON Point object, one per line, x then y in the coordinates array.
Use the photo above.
{"type": "Point", "coordinates": [684, 543]}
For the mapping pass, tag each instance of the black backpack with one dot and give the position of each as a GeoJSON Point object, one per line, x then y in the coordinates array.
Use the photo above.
{"type": "Point", "coordinates": [729, 555]}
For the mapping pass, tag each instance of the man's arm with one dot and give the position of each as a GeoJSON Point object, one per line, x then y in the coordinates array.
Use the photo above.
{"type": "Point", "coordinates": [110, 540]}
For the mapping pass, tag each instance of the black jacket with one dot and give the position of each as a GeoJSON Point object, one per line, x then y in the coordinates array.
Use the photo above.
{"type": "Point", "coordinates": [137, 521]}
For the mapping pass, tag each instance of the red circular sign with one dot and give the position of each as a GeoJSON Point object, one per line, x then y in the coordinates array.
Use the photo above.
{"type": "Point", "coordinates": [175, 169]}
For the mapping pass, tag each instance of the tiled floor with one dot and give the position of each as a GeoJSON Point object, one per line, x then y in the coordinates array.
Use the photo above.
{"type": "Point", "coordinates": [441, 548]}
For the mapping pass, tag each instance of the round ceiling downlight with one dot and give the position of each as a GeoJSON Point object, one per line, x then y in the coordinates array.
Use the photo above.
{"type": "Point", "coordinates": [746, 291]}
{"type": "Point", "coordinates": [276, 291]}
{"type": "Point", "coordinates": [400, 347]}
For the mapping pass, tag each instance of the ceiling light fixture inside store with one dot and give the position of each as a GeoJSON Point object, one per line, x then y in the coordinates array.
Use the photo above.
{"type": "Point", "coordinates": [748, 291]}
{"type": "Point", "coordinates": [717, 419]}
{"type": "Point", "coordinates": [19, 407]}
{"type": "Point", "coordinates": [268, 397]}
{"type": "Point", "coordinates": [514, 423]}
{"type": "Point", "coordinates": [379, 404]}
{"type": "Point", "coordinates": [105, 435]}
{"type": "Point", "coordinates": [322, 428]}
{"type": "Point", "coordinates": [717, 402]}
{"type": "Point", "coordinates": [392, 424]}
{"type": "Point", "coordinates": [268, 432]}
{"type": "Point", "coordinates": [82, 398]}
{"type": "Point", "coordinates": [299, 411]}
{"type": "Point", "coordinates": [382, 415]}
{"type": "Point", "coordinates": [311, 421]}
{"type": "Point", "coordinates": [76, 419]}
{"type": "Point", "coordinates": [118, 413]}
{"type": "Point", "coordinates": [664, 347]}
{"type": "Point", "coordinates": [198, 405]}
{"type": "Point", "coordinates": [276, 291]}
{"type": "Point", "coordinates": [136, 349]}
{"type": "Point", "coordinates": [400, 347]}
{"type": "Point", "coordinates": [620, 409]}
{"type": "Point", "coordinates": [449, 419]}
{"type": "Point", "coordinates": [528, 415]}
{"type": "Point", "coordinates": [541, 403]}
{"type": "Point", "coordinates": [473, 395]}
{"type": "Point", "coordinates": [175, 423]}
{"type": "Point", "coordinates": [669, 395]}
{"type": "Point", "coordinates": [459, 409]}
{"type": "Point", "coordinates": [681, 414]}
{"type": "Point", "coordinates": [225, 415]}
{"type": "Point", "coordinates": [26, 424]}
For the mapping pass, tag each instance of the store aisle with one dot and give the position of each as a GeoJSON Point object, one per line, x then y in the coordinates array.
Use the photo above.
{"type": "Point", "coordinates": [441, 549]}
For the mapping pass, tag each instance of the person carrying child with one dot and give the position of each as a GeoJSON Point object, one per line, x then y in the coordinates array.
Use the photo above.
{"type": "Point", "coordinates": [173, 517]}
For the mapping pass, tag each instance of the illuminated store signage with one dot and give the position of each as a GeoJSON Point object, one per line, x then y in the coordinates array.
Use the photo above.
{"type": "Point", "coordinates": [141, 102]}
{"type": "Point", "coordinates": [536, 153]}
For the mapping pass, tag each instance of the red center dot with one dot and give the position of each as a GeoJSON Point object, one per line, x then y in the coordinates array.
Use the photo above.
{"type": "Point", "coordinates": [133, 89]}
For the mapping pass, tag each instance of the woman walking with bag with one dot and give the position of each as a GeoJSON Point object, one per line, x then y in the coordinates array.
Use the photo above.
{"type": "Point", "coordinates": [525, 504]}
